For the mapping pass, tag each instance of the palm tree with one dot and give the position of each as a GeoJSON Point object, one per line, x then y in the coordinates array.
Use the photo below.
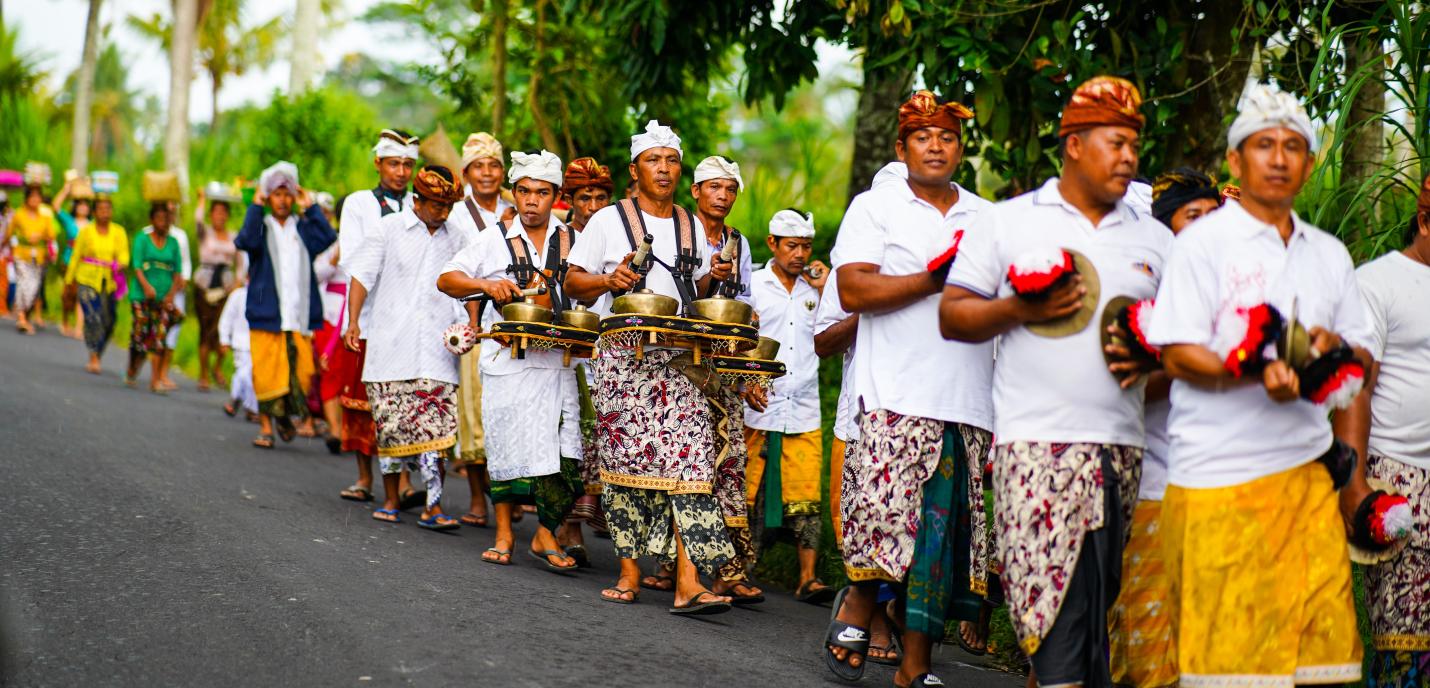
{"type": "Point", "coordinates": [84, 91]}
{"type": "Point", "coordinates": [20, 72]}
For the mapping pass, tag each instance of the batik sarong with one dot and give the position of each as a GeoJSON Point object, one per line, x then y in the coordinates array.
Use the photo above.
{"type": "Point", "coordinates": [653, 425]}
{"type": "Point", "coordinates": [470, 447]}
{"type": "Point", "coordinates": [150, 325]}
{"type": "Point", "coordinates": [1142, 634]}
{"type": "Point", "coordinates": [29, 282]}
{"type": "Point", "coordinates": [413, 416]}
{"type": "Point", "coordinates": [727, 413]}
{"type": "Point", "coordinates": [282, 372]}
{"type": "Point", "coordinates": [552, 495]}
{"type": "Point", "coordinates": [1262, 576]}
{"type": "Point", "coordinates": [359, 432]}
{"type": "Point", "coordinates": [882, 496]}
{"type": "Point", "coordinates": [641, 523]}
{"type": "Point", "coordinates": [99, 318]}
{"type": "Point", "coordinates": [590, 458]}
{"type": "Point", "coordinates": [1047, 497]}
{"type": "Point", "coordinates": [1398, 590]}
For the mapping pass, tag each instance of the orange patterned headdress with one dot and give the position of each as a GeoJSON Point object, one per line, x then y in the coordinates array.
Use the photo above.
{"type": "Point", "coordinates": [584, 172]}
{"type": "Point", "coordinates": [436, 183]}
{"type": "Point", "coordinates": [1103, 101]}
{"type": "Point", "coordinates": [923, 110]}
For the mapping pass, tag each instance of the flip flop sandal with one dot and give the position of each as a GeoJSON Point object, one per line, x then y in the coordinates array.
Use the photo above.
{"type": "Point", "coordinates": [412, 499]}
{"type": "Point", "coordinates": [474, 520]}
{"type": "Point", "coordinates": [893, 654]}
{"type": "Point", "coordinates": [694, 607]}
{"type": "Point", "coordinates": [357, 493]}
{"type": "Point", "coordinates": [230, 409]}
{"type": "Point", "coordinates": [335, 444]}
{"type": "Point", "coordinates": [744, 600]}
{"type": "Point", "coordinates": [659, 579]}
{"type": "Point", "coordinates": [286, 431]}
{"type": "Point", "coordinates": [436, 522]}
{"type": "Point", "coordinates": [984, 615]}
{"type": "Point", "coordinates": [635, 596]}
{"type": "Point", "coordinates": [545, 559]}
{"type": "Point", "coordinates": [847, 636]}
{"type": "Point", "coordinates": [807, 594]}
{"type": "Point", "coordinates": [579, 553]}
{"type": "Point", "coordinates": [500, 553]}
{"type": "Point", "coordinates": [377, 515]}
{"type": "Point", "coordinates": [263, 441]}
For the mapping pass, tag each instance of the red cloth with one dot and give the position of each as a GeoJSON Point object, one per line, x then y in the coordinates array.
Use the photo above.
{"type": "Point", "coordinates": [359, 432]}
{"type": "Point", "coordinates": [1103, 101]}
{"type": "Point", "coordinates": [329, 383]}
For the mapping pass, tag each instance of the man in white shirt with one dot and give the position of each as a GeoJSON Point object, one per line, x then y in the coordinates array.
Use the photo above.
{"type": "Point", "coordinates": [532, 455]}
{"type": "Point", "coordinates": [1069, 424]}
{"type": "Point", "coordinates": [1250, 522]}
{"type": "Point", "coordinates": [924, 411]}
{"type": "Point", "coordinates": [1389, 425]}
{"type": "Point", "coordinates": [716, 187]}
{"type": "Point", "coordinates": [394, 156]}
{"type": "Point", "coordinates": [784, 440]}
{"type": "Point", "coordinates": [654, 428]}
{"type": "Point", "coordinates": [410, 376]}
{"type": "Point", "coordinates": [233, 336]}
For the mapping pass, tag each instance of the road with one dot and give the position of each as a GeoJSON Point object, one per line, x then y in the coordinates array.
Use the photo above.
{"type": "Point", "coordinates": [144, 542]}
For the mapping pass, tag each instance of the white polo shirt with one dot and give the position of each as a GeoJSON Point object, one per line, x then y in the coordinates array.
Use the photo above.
{"type": "Point", "coordinates": [787, 316]}
{"type": "Point", "coordinates": [1229, 260]}
{"type": "Point", "coordinates": [462, 219]}
{"type": "Point", "coordinates": [603, 244]}
{"type": "Point", "coordinates": [488, 258]}
{"type": "Point", "coordinates": [830, 313]}
{"type": "Point", "coordinates": [362, 214]}
{"type": "Point", "coordinates": [1058, 389]}
{"type": "Point", "coordinates": [1394, 287]}
{"type": "Point", "coordinates": [903, 364]}
{"type": "Point", "coordinates": [409, 314]}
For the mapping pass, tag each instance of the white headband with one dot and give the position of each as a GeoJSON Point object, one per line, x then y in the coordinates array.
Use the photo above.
{"type": "Point", "coordinates": [656, 135]}
{"type": "Point", "coordinates": [543, 166]}
{"type": "Point", "coordinates": [281, 173]}
{"type": "Point", "coordinates": [1266, 107]}
{"type": "Point", "coordinates": [716, 167]}
{"type": "Point", "coordinates": [788, 223]}
{"type": "Point", "coordinates": [388, 148]}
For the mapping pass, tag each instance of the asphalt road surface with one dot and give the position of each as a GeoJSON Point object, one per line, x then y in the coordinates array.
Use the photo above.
{"type": "Point", "coordinates": [144, 542]}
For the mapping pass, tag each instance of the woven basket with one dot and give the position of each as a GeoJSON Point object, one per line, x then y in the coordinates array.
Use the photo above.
{"type": "Point", "coordinates": [161, 187]}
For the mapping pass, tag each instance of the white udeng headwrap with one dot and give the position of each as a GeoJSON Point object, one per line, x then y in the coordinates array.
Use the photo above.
{"type": "Point", "coordinates": [1265, 107]}
{"type": "Point", "coordinates": [388, 148]}
{"type": "Point", "coordinates": [543, 166]}
{"type": "Point", "coordinates": [480, 145]}
{"type": "Point", "coordinates": [716, 167]}
{"type": "Point", "coordinates": [281, 173]}
{"type": "Point", "coordinates": [656, 135]}
{"type": "Point", "coordinates": [788, 223]}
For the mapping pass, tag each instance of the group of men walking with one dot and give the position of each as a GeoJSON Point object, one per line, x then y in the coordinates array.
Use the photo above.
{"type": "Point", "coordinates": [1171, 501]}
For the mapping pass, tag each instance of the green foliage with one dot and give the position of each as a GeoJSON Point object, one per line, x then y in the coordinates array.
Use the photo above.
{"type": "Point", "coordinates": [20, 72]}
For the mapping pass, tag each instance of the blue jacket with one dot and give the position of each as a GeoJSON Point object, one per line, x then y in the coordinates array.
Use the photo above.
{"type": "Point", "coordinates": [317, 235]}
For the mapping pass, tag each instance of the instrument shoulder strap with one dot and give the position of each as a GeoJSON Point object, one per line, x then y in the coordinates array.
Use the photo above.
{"type": "Point", "coordinates": [476, 213]}
{"type": "Point", "coordinates": [630, 219]}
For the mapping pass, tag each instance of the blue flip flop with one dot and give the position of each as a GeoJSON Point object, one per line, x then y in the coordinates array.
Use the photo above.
{"type": "Point", "coordinates": [386, 512]}
{"type": "Point", "coordinates": [431, 522]}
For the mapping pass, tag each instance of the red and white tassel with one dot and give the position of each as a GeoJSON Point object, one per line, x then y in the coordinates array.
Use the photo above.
{"type": "Point", "coordinates": [1391, 519]}
{"type": "Point", "coordinates": [1036, 272]}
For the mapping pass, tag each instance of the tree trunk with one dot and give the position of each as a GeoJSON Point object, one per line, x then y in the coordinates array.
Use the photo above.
{"type": "Point", "coordinates": [1212, 46]}
{"type": "Point", "coordinates": [217, 82]}
{"type": "Point", "coordinates": [1364, 151]}
{"type": "Point", "coordinates": [876, 122]}
{"type": "Point", "coordinates": [181, 76]}
{"type": "Point", "coordinates": [305, 58]}
{"type": "Point", "coordinates": [538, 116]}
{"type": "Point", "coordinates": [84, 92]}
{"type": "Point", "coordinates": [499, 17]}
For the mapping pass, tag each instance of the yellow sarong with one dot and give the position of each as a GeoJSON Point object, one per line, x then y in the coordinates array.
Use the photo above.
{"type": "Point", "coordinates": [1262, 579]}
{"type": "Point", "coordinates": [800, 464]}
{"type": "Point", "coordinates": [836, 489]}
{"type": "Point", "coordinates": [272, 376]}
{"type": "Point", "coordinates": [1144, 641]}
{"type": "Point", "coordinates": [470, 436]}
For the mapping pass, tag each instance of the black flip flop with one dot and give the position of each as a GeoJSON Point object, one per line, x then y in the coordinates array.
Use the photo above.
{"type": "Point", "coordinates": [660, 578]}
{"type": "Point", "coordinates": [985, 613]}
{"type": "Point", "coordinates": [286, 431]}
{"type": "Point", "coordinates": [820, 596]}
{"type": "Point", "coordinates": [635, 596]}
{"type": "Point", "coordinates": [545, 559]}
{"type": "Point", "coordinates": [335, 445]}
{"type": "Point", "coordinates": [894, 652]}
{"type": "Point", "coordinates": [579, 553]}
{"type": "Point", "coordinates": [694, 607]}
{"type": "Point", "coordinates": [743, 600]}
{"type": "Point", "coordinates": [847, 636]}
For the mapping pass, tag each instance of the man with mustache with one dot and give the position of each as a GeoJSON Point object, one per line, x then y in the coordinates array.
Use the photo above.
{"type": "Point", "coordinates": [1251, 525]}
{"type": "Point", "coordinates": [923, 401]}
{"type": "Point", "coordinates": [654, 429]}
{"type": "Point", "coordinates": [530, 404]}
{"type": "Point", "coordinates": [1070, 435]}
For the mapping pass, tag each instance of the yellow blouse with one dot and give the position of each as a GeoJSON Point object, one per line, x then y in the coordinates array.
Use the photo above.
{"type": "Point", "coordinates": [34, 230]}
{"type": "Point", "coordinates": [108, 248]}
